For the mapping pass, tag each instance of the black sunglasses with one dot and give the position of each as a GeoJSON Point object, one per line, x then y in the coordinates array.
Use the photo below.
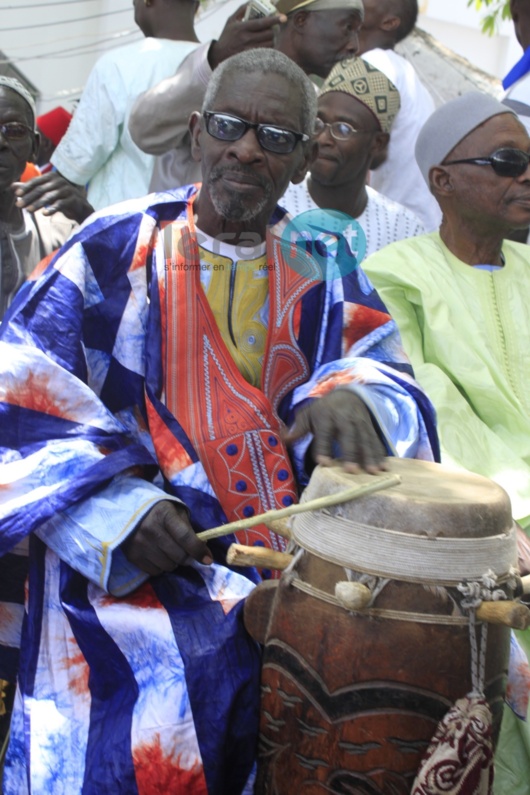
{"type": "Point", "coordinates": [505, 162]}
{"type": "Point", "coordinates": [15, 131]}
{"type": "Point", "coordinates": [226, 127]}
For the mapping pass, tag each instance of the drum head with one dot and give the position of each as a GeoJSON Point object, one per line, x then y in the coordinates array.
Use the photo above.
{"type": "Point", "coordinates": [431, 499]}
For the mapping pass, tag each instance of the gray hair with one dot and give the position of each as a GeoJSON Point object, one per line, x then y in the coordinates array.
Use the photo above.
{"type": "Point", "coordinates": [265, 61]}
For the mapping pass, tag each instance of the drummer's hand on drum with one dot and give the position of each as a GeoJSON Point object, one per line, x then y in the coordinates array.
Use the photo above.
{"type": "Point", "coordinates": [164, 539]}
{"type": "Point", "coordinates": [340, 420]}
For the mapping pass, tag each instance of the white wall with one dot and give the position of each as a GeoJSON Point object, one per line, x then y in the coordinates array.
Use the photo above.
{"type": "Point", "coordinates": [458, 27]}
{"type": "Point", "coordinates": [37, 48]}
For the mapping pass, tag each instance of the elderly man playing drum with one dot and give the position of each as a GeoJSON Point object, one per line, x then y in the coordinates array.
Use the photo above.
{"type": "Point", "coordinates": [146, 383]}
{"type": "Point", "coordinates": [460, 298]}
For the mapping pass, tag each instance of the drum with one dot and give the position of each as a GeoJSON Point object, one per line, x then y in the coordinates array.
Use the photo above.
{"type": "Point", "coordinates": [351, 695]}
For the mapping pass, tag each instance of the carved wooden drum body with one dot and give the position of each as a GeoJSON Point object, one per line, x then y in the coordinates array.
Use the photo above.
{"type": "Point", "coordinates": [352, 697]}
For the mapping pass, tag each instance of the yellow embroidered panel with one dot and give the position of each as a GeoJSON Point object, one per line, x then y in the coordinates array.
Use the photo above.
{"type": "Point", "coordinates": [238, 294]}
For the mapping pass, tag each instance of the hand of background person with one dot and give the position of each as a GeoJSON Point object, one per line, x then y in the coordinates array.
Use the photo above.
{"type": "Point", "coordinates": [164, 539]}
{"type": "Point", "coordinates": [340, 420]}
{"type": "Point", "coordinates": [238, 35]}
{"type": "Point", "coordinates": [53, 193]}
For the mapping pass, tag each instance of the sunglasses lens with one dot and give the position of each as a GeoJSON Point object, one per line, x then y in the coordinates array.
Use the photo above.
{"type": "Point", "coordinates": [225, 128]}
{"type": "Point", "coordinates": [274, 139]}
{"type": "Point", "coordinates": [510, 162]}
{"type": "Point", "coordinates": [14, 132]}
{"type": "Point", "coordinates": [229, 128]}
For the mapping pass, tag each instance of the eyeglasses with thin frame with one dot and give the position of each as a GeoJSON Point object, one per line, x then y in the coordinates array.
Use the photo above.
{"type": "Point", "coordinates": [15, 131]}
{"type": "Point", "coordinates": [340, 130]}
{"type": "Point", "coordinates": [506, 162]}
{"type": "Point", "coordinates": [226, 127]}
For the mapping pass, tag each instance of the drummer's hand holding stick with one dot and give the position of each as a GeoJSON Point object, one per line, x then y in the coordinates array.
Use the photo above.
{"type": "Point", "coordinates": [165, 539]}
{"type": "Point", "coordinates": [340, 421]}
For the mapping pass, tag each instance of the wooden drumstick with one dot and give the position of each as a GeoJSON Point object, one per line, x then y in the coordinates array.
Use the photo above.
{"type": "Point", "coordinates": [512, 614]}
{"type": "Point", "coordinates": [377, 484]}
{"type": "Point", "coordinates": [263, 558]}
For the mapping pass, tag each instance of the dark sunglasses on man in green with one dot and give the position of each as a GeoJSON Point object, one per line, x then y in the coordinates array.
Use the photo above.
{"type": "Point", "coordinates": [505, 162]}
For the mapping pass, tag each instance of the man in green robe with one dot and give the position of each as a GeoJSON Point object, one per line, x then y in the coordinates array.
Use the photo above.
{"type": "Point", "coordinates": [460, 298]}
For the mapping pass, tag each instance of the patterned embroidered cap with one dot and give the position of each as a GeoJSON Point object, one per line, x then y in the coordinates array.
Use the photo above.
{"type": "Point", "coordinates": [367, 84]}
{"type": "Point", "coordinates": [16, 85]}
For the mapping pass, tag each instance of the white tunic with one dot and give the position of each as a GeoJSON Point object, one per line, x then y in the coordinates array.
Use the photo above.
{"type": "Point", "coordinates": [383, 221]}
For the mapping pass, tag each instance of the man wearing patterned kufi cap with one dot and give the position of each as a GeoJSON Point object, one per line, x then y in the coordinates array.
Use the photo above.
{"type": "Point", "coordinates": [356, 107]}
{"type": "Point", "coordinates": [25, 238]}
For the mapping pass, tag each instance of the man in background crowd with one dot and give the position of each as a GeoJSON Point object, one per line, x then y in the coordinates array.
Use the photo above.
{"type": "Point", "coordinates": [25, 238]}
{"type": "Point", "coordinates": [460, 299]}
{"type": "Point", "coordinates": [357, 105]}
{"type": "Point", "coordinates": [517, 81]}
{"type": "Point", "coordinates": [52, 127]}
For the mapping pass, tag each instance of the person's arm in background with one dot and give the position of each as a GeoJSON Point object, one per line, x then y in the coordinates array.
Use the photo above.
{"type": "Point", "coordinates": [94, 131]}
{"type": "Point", "coordinates": [53, 193]}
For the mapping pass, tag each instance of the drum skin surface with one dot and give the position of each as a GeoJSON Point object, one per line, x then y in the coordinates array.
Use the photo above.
{"type": "Point", "coordinates": [351, 701]}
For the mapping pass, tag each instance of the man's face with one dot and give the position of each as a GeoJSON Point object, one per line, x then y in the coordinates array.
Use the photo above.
{"type": "Point", "coordinates": [341, 162]}
{"type": "Point", "coordinates": [327, 37]}
{"type": "Point", "coordinates": [482, 196]}
{"type": "Point", "coordinates": [14, 154]}
{"type": "Point", "coordinates": [241, 180]}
